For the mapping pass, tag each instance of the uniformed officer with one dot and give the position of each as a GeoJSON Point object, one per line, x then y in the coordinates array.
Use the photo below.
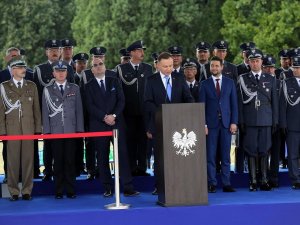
{"type": "Point", "coordinates": [290, 121]}
{"type": "Point", "coordinates": [67, 48]}
{"type": "Point", "coordinates": [244, 66]}
{"type": "Point", "coordinates": [220, 49]}
{"type": "Point", "coordinates": [154, 56]}
{"type": "Point", "coordinates": [43, 76]}
{"type": "Point", "coordinates": [133, 76]}
{"type": "Point", "coordinates": [62, 114]}
{"type": "Point", "coordinates": [190, 70]}
{"type": "Point", "coordinates": [80, 62]}
{"type": "Point", "coordinates": [278, 139]}
{"type": "Point", "coordinates": [176, 53]}
{"type": "Point", "coordinates": [19, 114]}
{"type": "Point", "coordinates": [6, 75]}
{"type": "Point", "coordinates": [203, 54]}
{"type": "Point", "coordinates": [258, 116]}
{"type": "Point", "coordinates": [125, 56]}
{"type": "Point", "coordinates": [284, 70]}
{"type": "Point", "coordinates": [105, 103]}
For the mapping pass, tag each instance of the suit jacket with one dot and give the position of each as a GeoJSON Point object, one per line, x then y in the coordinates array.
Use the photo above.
{"type": "Point", "coordinates": [99, 105]}
{"type": "Point", "coordinates": [29, 122]}
{"type": "Point", "coordinates": [289, 115]}
{"type": "Point", "coordinates": [5, 75]}
{"type": "Point", "coordinates": [134, 94]}
{"type": "Point", "coordinates": [47, 75]}
{"type": "Point", "coordinates": [267, 113]}
{"type": "Point", "coordinates": [226, 105]}
{"type": "Point", "coordinates": [156, 95]}
{"type": "Point", "coordinates": [72, 120]}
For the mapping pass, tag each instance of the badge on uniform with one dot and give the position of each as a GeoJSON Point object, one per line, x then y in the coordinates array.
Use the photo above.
{"type": "Point", "coordinates": [71, 94]}
{"type": "Point", "coordinates": [267, 90]}
{"type": "Point", "coordinates": [142, 75]}
{"type": "Point", "coordinates": [113, 89]}
{"type": "Point", "coordinates": [30, 99]}
{"type": "Point", "coordinates": [56, 99]}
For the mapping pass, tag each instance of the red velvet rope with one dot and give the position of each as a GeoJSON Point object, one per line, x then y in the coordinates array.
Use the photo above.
{"type": "Point", "coordinates": [54, 136]}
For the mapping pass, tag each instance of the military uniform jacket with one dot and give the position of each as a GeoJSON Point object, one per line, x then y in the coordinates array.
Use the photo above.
{"type": "Point", "coordinates": [25, 119]}
{"type": "Point", "coordinates": [204, 74]}
{"type": "Point", "coordinates": [289, 105]}
{"type": "Point", "coordinates": [260, 110]}
{"type": "Point", "coordinates": [229, 70]}
{"type": "Point", "coordinates": [283, 74]}
{"type": "Point", "coordinates": [134, 86]}
{"type": "Point", "coordinates": [242, 68]}
{"type": "Point", "coordinates": [195, 91]}
{"type": "Point", "coordinates": [65, 115]}
{"type": "Point", "coordinates": [43, 74]}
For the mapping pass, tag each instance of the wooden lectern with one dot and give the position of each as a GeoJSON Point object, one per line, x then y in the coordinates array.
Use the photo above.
{"type": "Point", "coordinates": [180, 155]}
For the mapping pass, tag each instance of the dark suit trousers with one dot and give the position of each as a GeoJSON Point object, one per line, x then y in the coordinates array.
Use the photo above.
{"type": "Point", "coordinates": [274, 153]}
{"type": "Point", "coordinates": [217, 135]}
{"type": "Point", "coordinates": [136, 142]}
{"type": "Point", "coordinates": [90, 156]}
{"type": "Point", "coordinates": [102, 146]}
{"type": "Point", "coordinates": [79, 155]}
{"type": "Point", "coordinates": [64, 151]}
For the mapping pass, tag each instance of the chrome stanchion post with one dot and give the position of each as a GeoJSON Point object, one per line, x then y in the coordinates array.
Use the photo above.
{"type": "Point", "coordinates": [118, 204]}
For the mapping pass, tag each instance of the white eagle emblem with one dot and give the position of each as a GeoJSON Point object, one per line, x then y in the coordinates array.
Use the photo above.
{"type": "Point", "coordinates": [184, 143]}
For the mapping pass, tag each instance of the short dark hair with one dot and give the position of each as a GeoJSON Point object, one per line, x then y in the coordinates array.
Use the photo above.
{"type": "Point", "coordinates": [216, 58]}
{"type": "Point", "coordinates": [164, 55]}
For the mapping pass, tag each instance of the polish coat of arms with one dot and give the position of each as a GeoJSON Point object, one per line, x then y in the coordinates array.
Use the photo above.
{"type": "Point", "coordinates": [184, 142]}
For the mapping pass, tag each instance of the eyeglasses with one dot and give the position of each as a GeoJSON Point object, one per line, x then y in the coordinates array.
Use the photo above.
{"type": "Point", "coordinates": [99, 64]}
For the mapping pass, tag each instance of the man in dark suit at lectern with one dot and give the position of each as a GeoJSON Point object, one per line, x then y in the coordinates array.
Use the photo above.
{"type": "Point", "coordinates": [163, 87]}
{"type": "Point", "coordinates": [221, 116]}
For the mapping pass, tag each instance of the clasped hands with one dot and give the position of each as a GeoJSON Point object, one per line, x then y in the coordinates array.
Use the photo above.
{"type": "Point", "coordinates": [109, 120]}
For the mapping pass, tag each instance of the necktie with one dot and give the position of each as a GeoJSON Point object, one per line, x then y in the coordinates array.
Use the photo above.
{"type": "Point", "coordinates": [256, 77]}
{"type": "Point", "coordinates": [61, 87]}
{"type": "Point", "coordinates": [218, 89]}
{"type": "Point", "coordinates": [191, 87]}
{"type": "Point", "coordinates": [168, 87]}
{"type": "Point", "coordinates": [19, 85]}
{"type": "Point", "coordinates": [102, 87]}
{"type": "Point", "coordinates": [136, 69]}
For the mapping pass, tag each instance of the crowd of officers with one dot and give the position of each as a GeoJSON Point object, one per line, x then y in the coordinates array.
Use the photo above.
{"type": "Point", "coordinates": [67, 94]}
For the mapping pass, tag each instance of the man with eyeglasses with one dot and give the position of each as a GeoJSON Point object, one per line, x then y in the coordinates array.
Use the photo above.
{"type": "Point", "coordinates": [43, 76]}
{"type": "Point", "coordinates": [105, 103]}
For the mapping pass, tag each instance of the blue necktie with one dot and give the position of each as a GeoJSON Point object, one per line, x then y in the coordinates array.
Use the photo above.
{"type": "Point", "coordinates": [102, 87]}
{"type": "Point", "coordinates": [168, 87]}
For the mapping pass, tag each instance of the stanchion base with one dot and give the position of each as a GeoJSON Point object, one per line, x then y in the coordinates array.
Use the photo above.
{"type": "Point", "coordinates": [114, 206]}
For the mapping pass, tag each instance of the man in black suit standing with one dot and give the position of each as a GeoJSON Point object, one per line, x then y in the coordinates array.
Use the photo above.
{"type": "Point", "coordinates": [133, 76]}
{"type": "Point", "coordinates": [105, 103]}
{"type": "Point", "coordinates": [190, 71]}
{"type": "Point", "coordinates": [163, 87]}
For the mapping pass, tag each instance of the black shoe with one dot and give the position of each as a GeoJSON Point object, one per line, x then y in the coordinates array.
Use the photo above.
{"type": "Point", "coordinates": [265, 187]}
{"type": "Point", "coordinates": [26, 197]}
{"type": "Point", "coordinates": [70, 195]}
{"type": "Point", "coordinates": [4, 180]}
{"type": "Point", "coordinates": [154, 192]}
{"type": "Point", "coordinates": [253, 187]}
{"type": "Point", "coordinates": [296, 186]}
{"type": "Point", "coordinates": [108, 194]}
{"type": "Point", "coordinates": [90, 177]}
{"type": "Point", "coordinates": [131, 193]}
{"type": "Point", "coordinates": [47, 177]}
{"type": "Point", "coordinates": [14, 198]}
{"type": "Point", "coordinates": [228, 188]}
{"type": "Point", "coordinates": [59, 196]}
{"type": "Point", "coordinates": [143, 173]}
{"type": "Point", "coordinates": [212, 189]}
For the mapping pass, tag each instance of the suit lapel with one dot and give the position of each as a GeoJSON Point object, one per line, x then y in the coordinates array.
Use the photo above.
{"type": "Point", "coordinates": [212, 86]}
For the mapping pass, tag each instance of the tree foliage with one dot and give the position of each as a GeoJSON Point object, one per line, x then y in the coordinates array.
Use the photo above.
{"type": "Point", "coordinates": [272, 25]}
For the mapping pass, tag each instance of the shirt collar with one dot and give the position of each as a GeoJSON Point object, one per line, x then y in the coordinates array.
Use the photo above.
{"type": "Point", "coordinates": [98, 79]}
{"type": "Point", "coordinates": [16, 82]}
{"type": "Point", "coordinates": [193, 82]}
{"type": "Point", "coordinates": [134, 65]}
{"type": "Point", "coordinates": [259, 73]}
{"type": "Point", "coordinates": [214, 78]}
{"type": "Point", "coordinates": [63, 84]}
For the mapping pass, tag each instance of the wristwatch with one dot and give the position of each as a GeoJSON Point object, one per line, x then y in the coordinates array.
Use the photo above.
{"type": "Point", "coordinates": [114, 115]}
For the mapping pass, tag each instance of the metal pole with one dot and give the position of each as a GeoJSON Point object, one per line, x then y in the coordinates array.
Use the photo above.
{"type": "Point", "coordinates": [118, 204]}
